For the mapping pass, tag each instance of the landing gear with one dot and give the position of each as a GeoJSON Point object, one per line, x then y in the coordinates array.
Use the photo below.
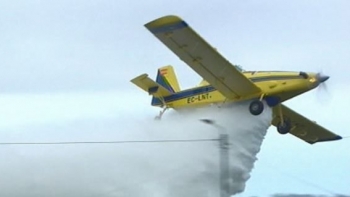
{"type": "Point", "coordinates": [256, 107]}
{"type": "Point", "coordinates": [164, 106]}
{"type": "Point", "coordinates": [160, 114]}
{"type": "Point", "coordinates": [284, 127]}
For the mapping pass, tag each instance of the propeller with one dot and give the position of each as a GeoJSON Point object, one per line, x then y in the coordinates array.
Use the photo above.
{"type": "Point", "coordinates": [321, 77]}
{"type": "Point", "coordinates": [322, 86]}
{"type": "Point", "coordinates": [321, 80]}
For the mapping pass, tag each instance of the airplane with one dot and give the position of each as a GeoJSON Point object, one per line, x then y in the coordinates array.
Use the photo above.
{"type": "Point", "coordinates": [224, 82]}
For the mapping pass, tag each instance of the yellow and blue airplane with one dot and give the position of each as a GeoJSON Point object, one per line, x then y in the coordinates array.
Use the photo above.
{"type": "Point", "coordinates": [224, 82]}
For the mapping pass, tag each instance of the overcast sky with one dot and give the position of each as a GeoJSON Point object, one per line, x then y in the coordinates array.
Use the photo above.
{"type": "Point", "coordinates": [71, 61]}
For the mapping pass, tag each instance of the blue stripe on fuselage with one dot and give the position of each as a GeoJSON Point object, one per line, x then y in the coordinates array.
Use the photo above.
{"type": "Point", "coordinates": [209, 88]}
{"type": "Point", "coordinates": [184, 94]}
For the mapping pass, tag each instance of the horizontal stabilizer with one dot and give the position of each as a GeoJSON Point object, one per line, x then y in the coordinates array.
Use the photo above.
{"type": "Point", "coordinates": [150, 86]}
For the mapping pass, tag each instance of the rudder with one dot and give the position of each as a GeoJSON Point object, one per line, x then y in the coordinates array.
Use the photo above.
{"type": "Point", "coordinates": [167, 78]}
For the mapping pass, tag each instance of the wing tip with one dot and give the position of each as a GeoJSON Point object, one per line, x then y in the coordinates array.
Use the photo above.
{"type": "Point", "coordinates": [165, 24]}
{"type": "Point", "coordinates": [337, 137]}
{"type": "Point", "coordinates": [138, 78]}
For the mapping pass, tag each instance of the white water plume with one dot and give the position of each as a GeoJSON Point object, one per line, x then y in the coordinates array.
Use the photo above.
{"type": "Point", "coordinates": [135, 169]}
{"type": "Point", "coordinates": [246, 134]}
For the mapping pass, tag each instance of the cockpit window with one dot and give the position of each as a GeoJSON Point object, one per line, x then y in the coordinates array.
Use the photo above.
{"type": "Point", "coordinates": [304, 75]}
{"type": "Point", "coordinates": [239, 68]}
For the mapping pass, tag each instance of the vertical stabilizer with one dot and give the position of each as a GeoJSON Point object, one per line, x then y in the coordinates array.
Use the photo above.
{"type": "Point", "coordinates": [167, 78]}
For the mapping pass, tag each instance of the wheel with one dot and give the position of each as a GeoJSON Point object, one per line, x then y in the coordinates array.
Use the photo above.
{"type": "Point", "coordinates": [256, 107]}
{"type": "Point", "coordinates": [283, 128]}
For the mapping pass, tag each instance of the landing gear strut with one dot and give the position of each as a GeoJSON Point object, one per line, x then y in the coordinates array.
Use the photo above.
{"type": "Point", "coordinates": [284, 125]}
{"type": "Point", "coordinates": [160, 114]}
{"type": "Point", "coordinates": [164, 106]}
{"type": "Point", "coordinates": [256, 107]}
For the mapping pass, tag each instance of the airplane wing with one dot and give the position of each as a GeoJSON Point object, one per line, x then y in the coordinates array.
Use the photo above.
{"type": "Point", "coordinates": [180, 38]}
{"type": "Point", "coordinates": [303, 128]}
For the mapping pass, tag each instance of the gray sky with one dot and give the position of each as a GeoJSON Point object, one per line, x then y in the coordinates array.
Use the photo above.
{"type": "Point", "coordinates": [66, 61]}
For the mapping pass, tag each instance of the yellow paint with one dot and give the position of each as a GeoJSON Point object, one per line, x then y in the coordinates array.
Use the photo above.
{"type": "Point", "coordinates": [284, 89]}
{"type": "Point", "coordinates": [231, 83]}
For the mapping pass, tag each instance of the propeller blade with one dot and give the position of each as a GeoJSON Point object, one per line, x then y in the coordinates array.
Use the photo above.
{"type": "Point", "coordinates": [322, 89]}
{"type": "Point", "coordinates": [323, 78]}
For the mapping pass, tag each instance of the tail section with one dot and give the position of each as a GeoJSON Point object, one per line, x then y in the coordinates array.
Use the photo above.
{"type": "Point", "coordinates": [167, 78]}
{"type": "Point", "coordinates": [150, 86]}
{"type": "Point", "coordinates": [166, 84]}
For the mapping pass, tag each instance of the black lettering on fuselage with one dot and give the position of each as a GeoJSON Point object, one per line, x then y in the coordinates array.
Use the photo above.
{"type": "Point", "coordinates": [198, 98]}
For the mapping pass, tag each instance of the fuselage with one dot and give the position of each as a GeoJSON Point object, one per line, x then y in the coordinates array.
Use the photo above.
{"type": "Point", "coordinates": [276, 86]}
